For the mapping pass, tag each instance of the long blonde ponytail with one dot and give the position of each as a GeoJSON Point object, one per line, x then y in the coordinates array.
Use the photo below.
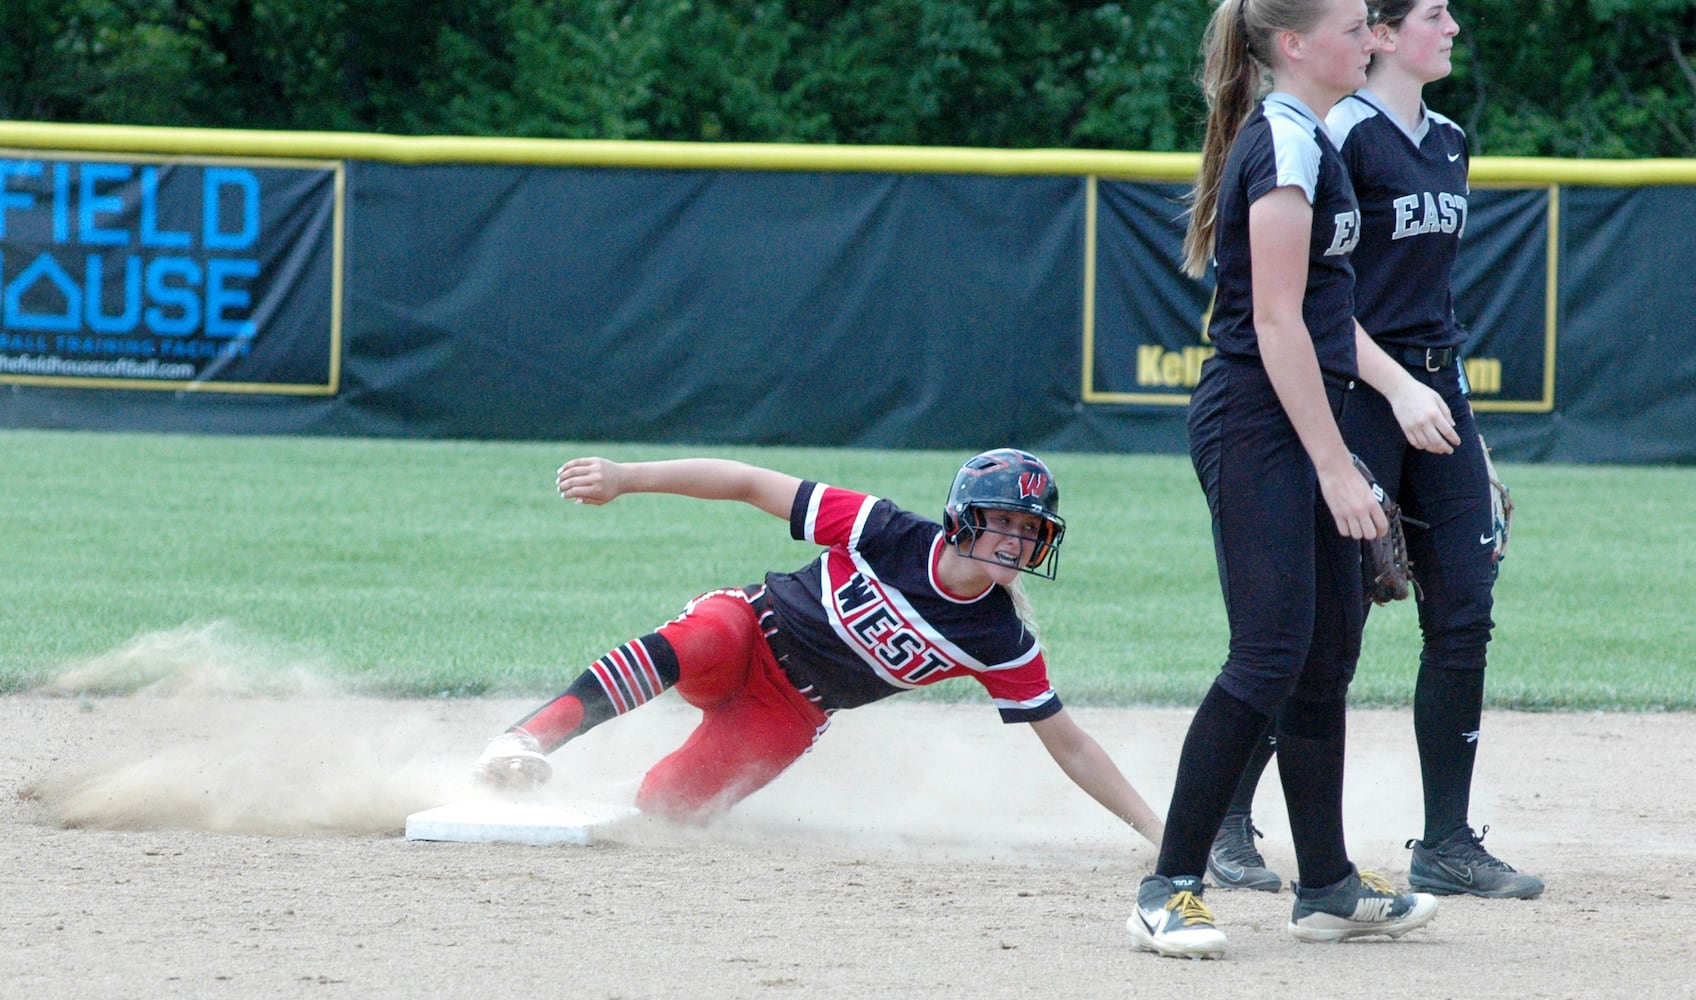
{"type": "Point", "coordinates": [1230, 80]}
{"type": "Point", "coordinates": [1236, 68]}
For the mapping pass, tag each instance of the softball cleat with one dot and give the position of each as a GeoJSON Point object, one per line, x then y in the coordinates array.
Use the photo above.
{"type": "Point", "coordinates": [1363, 903]}
{"type": "Point", "coordinates": [1461, 865]}
{"type": "Point", "coordinates": [512, 760]}
{"type": "Point", "coordinates": [1171, 919]}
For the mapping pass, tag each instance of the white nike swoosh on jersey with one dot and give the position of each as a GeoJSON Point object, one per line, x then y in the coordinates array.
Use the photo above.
{"type": "Point", "coordinates": [1453, 157]}
{"type": "Point", "coordinates": [1489, 539]}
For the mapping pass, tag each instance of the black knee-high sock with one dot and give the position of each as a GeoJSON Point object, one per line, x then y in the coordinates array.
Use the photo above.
{"type": "Point", "coordinates": [1242, 803]}
{"type": "Point", "coordinates": [1222, 736]}
{"type": "Point", "coordinates": [1447, 709]}
{"type": "Point", "coordinates": [1311, 736]}
{"type": "Point", "coordinates": [624, 679]}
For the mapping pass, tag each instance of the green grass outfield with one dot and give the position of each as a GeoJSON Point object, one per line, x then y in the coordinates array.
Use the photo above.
{"type": "Point", "coordinates": [452, 568]}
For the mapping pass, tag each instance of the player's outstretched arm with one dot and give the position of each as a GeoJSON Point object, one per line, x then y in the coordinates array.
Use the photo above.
{"type": "Point", "coordinates": [1083, 760]}
{"type": "Point", "coordinates": [598, 481]}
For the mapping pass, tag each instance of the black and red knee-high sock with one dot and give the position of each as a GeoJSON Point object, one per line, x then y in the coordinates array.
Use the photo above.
{"type": "Point", "coordinates": [622, 680]}
{"type": "Point", "coordinates": [1447, 707]}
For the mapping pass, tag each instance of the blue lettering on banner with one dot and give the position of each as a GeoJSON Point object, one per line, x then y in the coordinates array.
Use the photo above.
{"type": "Point", "coordinates": [247, 201]}
{"type": "Point", "coordinates": [118, 205]}
{"type": "Point", "coordinates": [120, 259]}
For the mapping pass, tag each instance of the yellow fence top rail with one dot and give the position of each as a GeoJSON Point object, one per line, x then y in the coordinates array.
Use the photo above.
{"type": "Point", "coordinates": [1179, 167]}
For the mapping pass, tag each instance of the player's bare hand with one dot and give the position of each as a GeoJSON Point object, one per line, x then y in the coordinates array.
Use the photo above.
{"type": "Point", "coordinates": [1425, 418]}
{"type": "Point", "coordinates": [1357, 512]}
{"type": "Point", "coordinates": [592, 481]}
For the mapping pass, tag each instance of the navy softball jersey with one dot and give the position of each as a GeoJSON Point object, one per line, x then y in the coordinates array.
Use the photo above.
{"type": "Point", "coordinates": [1283, 144]}
{"type": "Point", "coordinates": [870, 619]}
{"type": "Point", "coordinates": [1412, 190]}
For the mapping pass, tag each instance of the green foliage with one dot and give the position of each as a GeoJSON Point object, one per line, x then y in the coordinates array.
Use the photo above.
{"type": "Point", "coordinates": [1575, 79]}
{"type": "Point", "coordinates": [1606, 78]}
{"type": "Point", "coordinates": [1143, 63]}
{"type": "Point", "coordinates": [547, 69]}
{"type": "Point", "coordinates": [424, 568]}
{"type": "Point", "coordinates": [731, 71]}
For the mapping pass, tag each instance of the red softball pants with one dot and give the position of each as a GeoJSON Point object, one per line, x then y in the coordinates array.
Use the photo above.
{"type": "Point", "coordinates": [754, 724]}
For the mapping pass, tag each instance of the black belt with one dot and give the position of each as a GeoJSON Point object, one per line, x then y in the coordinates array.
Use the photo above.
{"type": "Point", "coordinates": [760, 600]}
{"type": "Point", "coordinates": [1432, 359]}
{"type": "Point", "coordinates": [782, 649]}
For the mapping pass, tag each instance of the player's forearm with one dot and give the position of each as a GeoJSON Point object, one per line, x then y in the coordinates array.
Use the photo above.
{"type": "Point", "coordinates": [1091, 769]}
{"type": "Point", "coordinates": [1096, 774]}
{"type": "Point", "coordinates": [1378, 369]}
{"type": "Point", "coordinates": [714, 479]}
{"type": "Point", "coordinates": [1421, 411]}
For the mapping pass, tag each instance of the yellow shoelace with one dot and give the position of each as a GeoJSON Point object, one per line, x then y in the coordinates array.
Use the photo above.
{"type": "Point", "coordinates": [1377, 883]}
{"type": "Point", "coordinates": [1190, 908]}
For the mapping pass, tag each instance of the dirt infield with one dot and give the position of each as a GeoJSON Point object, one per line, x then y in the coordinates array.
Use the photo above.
{"type": "Point", "coordinates": [204, 844]}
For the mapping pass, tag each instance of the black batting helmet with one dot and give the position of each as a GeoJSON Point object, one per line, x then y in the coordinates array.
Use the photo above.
{"type": "Point", "coordinates": [1006, 479]}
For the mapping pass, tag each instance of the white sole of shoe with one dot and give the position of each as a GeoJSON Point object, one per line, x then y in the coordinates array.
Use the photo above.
{"type": "Point", "coordinates": [1323, 927]}
{"type": "Point", "coordinates": [1198, 945]}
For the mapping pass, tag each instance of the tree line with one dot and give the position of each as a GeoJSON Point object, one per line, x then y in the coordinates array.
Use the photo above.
{"type": "Point", "coordinates": [1565, 78]}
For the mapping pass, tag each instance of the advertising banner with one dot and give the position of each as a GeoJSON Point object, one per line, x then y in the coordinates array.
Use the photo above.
{"type": "Point", "coordinates": [171, 274]}
{"type": "Point", "coordinates": [1145, 332]}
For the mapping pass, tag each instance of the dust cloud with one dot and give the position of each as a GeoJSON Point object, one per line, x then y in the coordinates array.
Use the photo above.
{"type": "Point", "coordinates": [232, 737]}
{"type": "Point", "coordinates": [256, 743]}
{"type": "Point", "coordinates": [209, 660]}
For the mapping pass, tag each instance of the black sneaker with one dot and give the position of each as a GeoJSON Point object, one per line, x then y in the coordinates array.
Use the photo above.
{"type": "Point", "coordinates": [1460, 864]}
{"type": "Point", "coordinates": [1172, 920]}
{"type": "Point", "coordinates": [1234, 863]}
{"type": "Point", "coordinates": [1362, 904]}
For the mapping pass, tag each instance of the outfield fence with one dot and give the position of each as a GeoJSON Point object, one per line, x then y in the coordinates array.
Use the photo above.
{"type": "Point", "coordinates": [263, 282]}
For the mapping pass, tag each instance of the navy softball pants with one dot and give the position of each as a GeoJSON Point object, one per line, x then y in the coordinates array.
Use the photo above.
{"type": "Point", "coordinates": [1292, 584]}
{"type": "Point", "coordinates": [1454, 557]}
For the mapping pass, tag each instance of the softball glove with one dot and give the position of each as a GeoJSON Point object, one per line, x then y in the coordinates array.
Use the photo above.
{"type": "Point", "coordinates": [1384, 562]}
{"type": "Point", "coordinates": [1501, 509]}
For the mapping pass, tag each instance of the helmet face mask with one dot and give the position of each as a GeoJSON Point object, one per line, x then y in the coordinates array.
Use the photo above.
{"type": "Point", "coordinates": [1008, 480]}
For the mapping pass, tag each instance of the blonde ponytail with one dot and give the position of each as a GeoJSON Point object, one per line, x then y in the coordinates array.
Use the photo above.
{"type": "Point", "coordinates": [1236, 73]}
{"type": "Point", "coordinates": [1230, 80]}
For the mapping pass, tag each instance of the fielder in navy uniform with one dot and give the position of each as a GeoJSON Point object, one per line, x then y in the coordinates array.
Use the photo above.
{"type": "Point", "coordinates": [1274, 211]}
{"type": "Point", "coordinates": [895, 602]}
{"type": "Point", "coordinates": [1408, 166]}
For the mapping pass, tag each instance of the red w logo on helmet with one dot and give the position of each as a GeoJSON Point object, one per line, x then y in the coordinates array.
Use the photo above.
{"type": "Point", "coordinates": [1032, 484]}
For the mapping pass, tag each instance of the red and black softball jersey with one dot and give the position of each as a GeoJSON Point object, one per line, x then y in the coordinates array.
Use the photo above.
{"type": "Point", "coordinates": [869, 618]}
